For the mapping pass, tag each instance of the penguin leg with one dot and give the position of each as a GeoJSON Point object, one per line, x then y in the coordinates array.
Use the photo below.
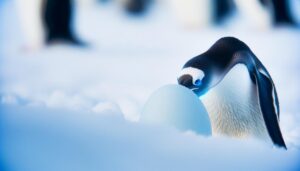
{"type": "Point", "coordinates": [58, 21]}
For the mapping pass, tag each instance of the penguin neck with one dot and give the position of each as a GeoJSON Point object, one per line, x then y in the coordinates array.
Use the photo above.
{"type": "Point", "coordinates": [222, 53]}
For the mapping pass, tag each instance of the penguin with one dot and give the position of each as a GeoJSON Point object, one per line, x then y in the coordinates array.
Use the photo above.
{"type": "Point", "coordinates": [237, 91]}
{"type": "Point", "coordinates": [29, 15]}
{"type": "Point", "coordinates": [222, 9]}
{"type": "Point", "coordinates": [57, 19]}
{"type": "Point", "coordinates": [282, 13]}
{"type": "Point", "coordinates": [136, 7]}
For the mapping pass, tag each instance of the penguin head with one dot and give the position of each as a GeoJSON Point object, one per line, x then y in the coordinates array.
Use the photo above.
{"type": "Point", "coordinates": [196, 77]}
{"type": "Point", "coordinates": [206, 70]}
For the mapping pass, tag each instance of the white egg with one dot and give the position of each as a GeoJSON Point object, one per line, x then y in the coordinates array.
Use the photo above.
{"type": "Point", "coordinates": [177, 106]}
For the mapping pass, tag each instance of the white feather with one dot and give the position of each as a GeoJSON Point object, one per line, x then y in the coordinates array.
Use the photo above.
{"type": "Point", "coordinates": [233, 106]}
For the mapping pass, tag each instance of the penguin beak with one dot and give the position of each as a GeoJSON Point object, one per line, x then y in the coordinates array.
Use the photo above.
{"type": "Point", "coordinates": [186, 80]}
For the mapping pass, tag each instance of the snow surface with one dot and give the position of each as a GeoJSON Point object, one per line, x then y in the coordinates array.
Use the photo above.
{"type": "Point", "coordinates": [68, 108]}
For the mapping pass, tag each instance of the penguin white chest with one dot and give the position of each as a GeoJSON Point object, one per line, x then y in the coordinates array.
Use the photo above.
{"type": "Point", "coordinates": [233, 106]}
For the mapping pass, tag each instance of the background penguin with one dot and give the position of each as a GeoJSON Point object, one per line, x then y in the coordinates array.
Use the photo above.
{"type": "Point", "coordinates": [136, 6]}
{"type": "Point", "coordinates": [261, 12]}
{"type": "Point", "coordinates": [282, 13]}
{"type": "Point", "coordinates": [29, 13]}
{"type": "Point", "coordinates": [57, 20]}
{"type": "Point", "coordinates": [237, 91]}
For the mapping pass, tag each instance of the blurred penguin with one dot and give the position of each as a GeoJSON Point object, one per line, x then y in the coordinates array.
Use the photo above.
{"type": "Point", "coordinates": [222, 9]}
{"type": "Point", "coordinates": [258, 14]}
{"type": "Point", "coordinates": [204, 13]}
{"type": "Point", "coordinates": [46, 22]}
{"type": "Point", "coordinates": [193, 13]}
{"type": "Point", "coordinates": [282, 13]}
{"type": "Point", "coordinates": [57, 20]}
{"type": "Point", "coordinates": [135, 7]}
{"type": "Point", "coordinates": [29, 12]}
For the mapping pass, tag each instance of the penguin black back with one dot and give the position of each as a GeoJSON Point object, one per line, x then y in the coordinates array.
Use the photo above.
{"type": "Point", "coordinates": [219, 55]}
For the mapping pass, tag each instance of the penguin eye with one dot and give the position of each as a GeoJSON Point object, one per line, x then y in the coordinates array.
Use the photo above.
{"type": "Point", "coordinates": [198, 82]}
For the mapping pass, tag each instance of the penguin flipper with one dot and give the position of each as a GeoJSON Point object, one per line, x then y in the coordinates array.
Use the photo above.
{"type": "Point", "coordinates": [267, 94]}
{"type": "Point", "coordinates": [268, 109]}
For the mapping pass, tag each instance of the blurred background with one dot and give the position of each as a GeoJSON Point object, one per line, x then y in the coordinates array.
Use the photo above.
{"type": "Point", "coordinates": [75, 74]}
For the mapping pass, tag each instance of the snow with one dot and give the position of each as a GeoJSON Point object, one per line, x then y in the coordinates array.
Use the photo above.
{"type": "Point", "coordinates": [69, 108]}
{"type": "Point", "coordinates": [39, 139]}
